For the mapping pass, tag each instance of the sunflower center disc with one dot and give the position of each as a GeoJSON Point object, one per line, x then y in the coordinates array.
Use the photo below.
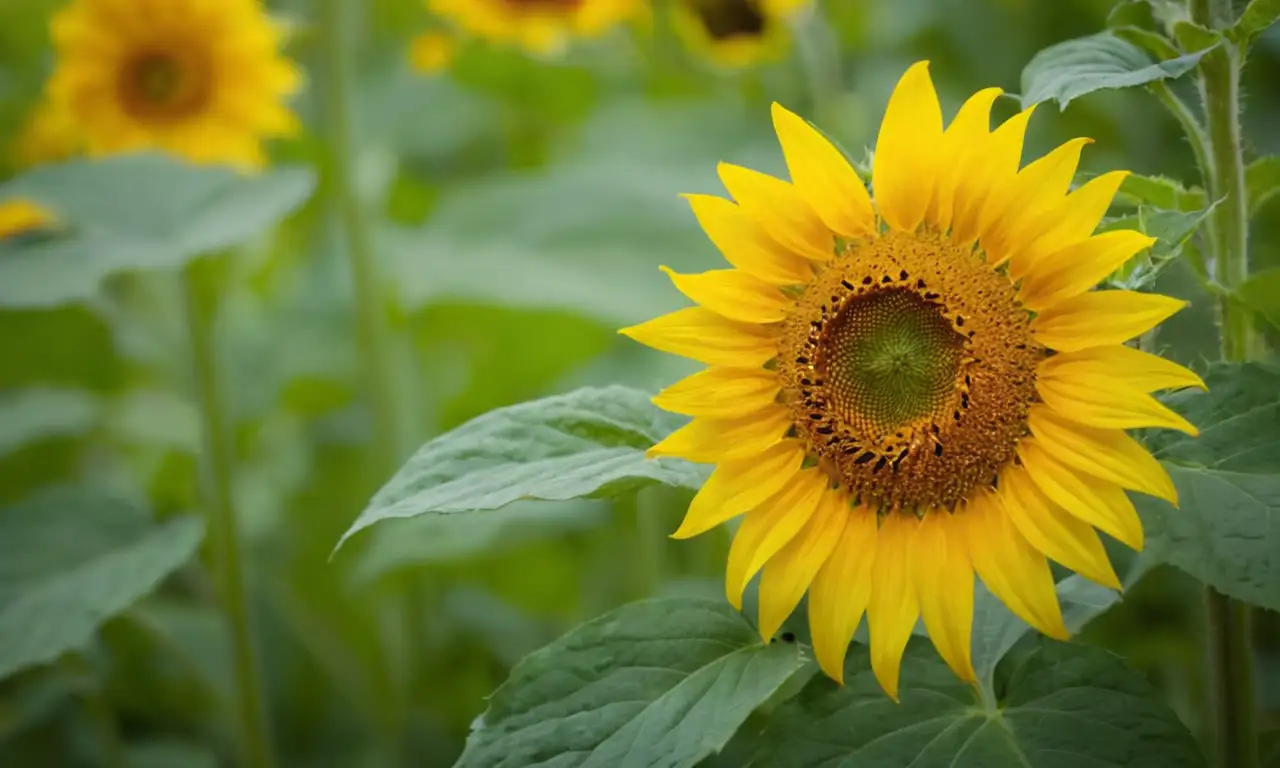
{"type": "Point", "coordinates": [724, 19]}
{"type": "Point", "coordinates": [890, 358]}
{"type": "Point", "coordinates": [909, 368]}
{"type": "Point", "coordinates": [160, 86]}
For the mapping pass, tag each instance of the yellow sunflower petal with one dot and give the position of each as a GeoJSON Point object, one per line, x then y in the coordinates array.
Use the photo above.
{"type": "Point", "coordinates": [710, 439]}
{"type": "Point", "coordinates": [1099, 318]}
{"type": "Point", "coordinates": [991, 181]}
{"type": "Point", "coordinates": [1097, 502]}
{"type": "Point", "coordinates": [961, 142]}
{"type": "Point", "coordinates": [722, 392]}
{"type": "Point", "coordinates": [1028, 203]}
{"type": "Point", "coordinates": [780, 210]}
{"type": "Point", "coordinates": [840, 592]}
{"type": "Point", "coordinates": [893, 608]}
{"type": "Point", "coordinates": [905, 156]}
{"type": "Point", "coordinates": [1107, 454]}
{"type": "Point", "coordinates": [737, 486]}
{"type": "Point", "coordinates": [823, 176]}
{"type": "Point", "coordinates": [769, 527]}
{"type": "Point", "coordinates": [734, 294]}
{"type": "Point", "coordinates": [1096, 401]}
{"type": "Point", "coordinates": [1073, 220]}
{"type": "Point", "coordinates": [944, 587]}
{"type": "Point", "coordinates": [19, 216]}
{"type": "Point", "coordinates": [790, 572]}
{"type": "Point", "coordinates": [1012, 569]}
{"type": "Point", "coordinates": [1054, 531]}
{"type": "Point", "coordinates": [1076, 268]}
{"type": "Point", "coordinates": [1125, 366]}
{"type": "Point", "coordinates": [702, 335]}
{"type": "Point", "coordinates": [745, 244]}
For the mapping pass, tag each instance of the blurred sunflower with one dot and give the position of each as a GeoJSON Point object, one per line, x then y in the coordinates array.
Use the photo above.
{"type": "Point", "coordinates": [202, 79]}
{"type": "Point", "coordinates": [736, 33]}
{"type": "Point", "coordinates": [906, 391]}
{"type": "Point", "coordinates": [540, 26]}
{"type": "Point", "coordinates": [19, 216]}
{"type": "Point", "coordinates": [49, 135]}
{"type": "Point", "coordinates": [432, 52]}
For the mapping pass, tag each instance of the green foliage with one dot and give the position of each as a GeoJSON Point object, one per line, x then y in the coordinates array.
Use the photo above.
{"type": "Point", "coordinates": [1069, 70]}
{"type": "Point", "coordinates": [659, 682]}
{"type": "Point", "coordinates": [27, 415]}
{"type": "Point", "coordinates": [1257, 16]}
{"type": "Point", "coordinates": [1061, 705]}
{"type": "Point", "coordinates": [1228, 481]}
{"type": "Point", "coordinates": [1261, 293]}
{"type": "Point", "coordinates": [173, 212]}
{"type": "Point", "coordinates": [72, 558]}
{"type": "Point", "coordinates": [1173, 228]}
{"type": "Point", "coordinates": [587, 443]}
{"type": "Point", "coordinates": [1262, 178]}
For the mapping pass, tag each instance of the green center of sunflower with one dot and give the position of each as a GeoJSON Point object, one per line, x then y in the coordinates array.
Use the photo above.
{"type": "Point", "coordinates": [158, 86]}
{"type": "Point", "coordinates": [891, 358]}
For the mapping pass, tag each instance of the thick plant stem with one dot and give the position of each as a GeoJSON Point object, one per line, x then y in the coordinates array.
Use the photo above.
{"type": "Point", "coordinates": [371, 319]}
{"type": "Point", "coordinates": [1230, 650]}
{"type": "Point", "coordinates": [216, 462]}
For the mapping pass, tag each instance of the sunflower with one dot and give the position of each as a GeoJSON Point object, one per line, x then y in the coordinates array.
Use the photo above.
{"type": "Point", "coordinates": [736, 33]}
{"type": "Point", "coordinates": [432, 52]}
{"type": "Point", "coordinates": [202, 79]}
{"type": "Point", "coordinates": [904, 392]}
{"type": "Point", "coordinates": [540, 26]}
{"type": "Point", "coordinates": [49, 136]}
{"type": "Point", "coordinates": [20, 216]}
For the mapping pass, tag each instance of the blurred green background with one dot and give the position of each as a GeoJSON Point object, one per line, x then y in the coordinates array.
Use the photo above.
{"type": "Point", "coordinates": [520, 208]}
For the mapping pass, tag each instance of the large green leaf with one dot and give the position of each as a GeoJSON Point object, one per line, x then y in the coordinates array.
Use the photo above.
{"type": "Point", "coordinates": [171, 213]}
{"type": "Point", "coordinates": [69, 560]}
{"type": "Point", "coordinates": [35, 414]}
{"type": "Point", "coordinates": [1064, 706]}
{"type": "Point", "coordinates": [588, 443]}
{"type": "Point", "coordinates": [1071, 69]}
{"type": "Point", "coordinates": [1261, 293]}
{"type": "Point", "coordinates": [1257, 16]}
{"type": "Point", "coordinates": [1262, 178]}
{"type": "Point", "coordinates": [660, 682]}
{"type": "Point", "coordinates": [1226, 531]}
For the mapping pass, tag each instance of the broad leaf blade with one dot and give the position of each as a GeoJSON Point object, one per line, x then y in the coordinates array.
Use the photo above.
{"type": "Point", "coordinates": [1225, 531]}
{"type": "Point", "coordinates": [1262, 179]}
{"type": "Point", "coordinates": [1257, 16]}
{"type": "Point", "coordinates": [660, 682]}
{"type": "Point", "coordinates": [1261, 293]}
{"type": "Point", "coordinates": [35, 414]}
{"type": "Point", "coordinates": [69, 560]}
{"type": "Point", "coordinates": [1055, 693]}
{"type": "Point", "coordinates": [173, 212]}
{"type": "Point", "coordinates": [1071, 69]}
{"type": "Point", "coordinates": [587, 443]}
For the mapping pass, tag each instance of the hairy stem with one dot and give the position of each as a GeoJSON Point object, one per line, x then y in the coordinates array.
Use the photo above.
{"type": "Point", "coordinates": [217, 460]}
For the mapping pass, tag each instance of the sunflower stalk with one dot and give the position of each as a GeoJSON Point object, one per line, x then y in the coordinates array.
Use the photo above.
{"type": "Point", "coordinates": [1229, 628]}
{"type": "Point", "coordinates": [217, 458]}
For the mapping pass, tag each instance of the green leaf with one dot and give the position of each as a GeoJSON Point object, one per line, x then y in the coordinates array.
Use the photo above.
{"type": "Point", "coordinates": [1257, 16]}
{"type": "Point", "coordinates": [1160, 192]}
{"type": "Point", "coordinates": [1071, 69]}
{"type": "Point", "coordinates": [173, 212]}
{"type": "Point", "coordinates": [659, 682]}
{"type": "Point", "coordinates": [1261, 293]}
{"type": "Point", "coordinates": [69, 560]}
{"type": "Point", "coordinates": [1194, 38]}
{"type": "Point", "coordinates": [1262, 180]}
{"type": "Point", "coordinates": [1135, 21]}
{"type": "Point", "coordinates": [587, 443]}
{"type": "Point", "coordinates": [1225, 532]}
{"type": "Point", "coordinates": [27, 415]}
{"type": "Point", "coordinates": [1173, 230]}
{"type": "Point", "coordinates": [1064, 705]}
{"type": "Point", "coordinates": [169, 754]}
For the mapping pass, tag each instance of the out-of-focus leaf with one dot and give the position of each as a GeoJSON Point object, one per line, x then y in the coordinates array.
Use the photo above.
{"type": "Point", "coordinates": [1224, 531]}
{"type": "Point", "coordinates": [1173, 229]}
{"type": "Point", "coordinates": [1257, 16]}
{"type": "Point", "coordinates": [429, 539]}
{"type": "Point", "coordinates": [660, 682]}
{"type": "Point", "coordinates": [1262, 179]}
{"type": "Point", "coordinates": [27, 415]}
{"type": "Point", "coordinates": [1261, 293]}
{"type": "Point", "coordinates": [155, 417]}
{"type": "Point", "coordinates": [1161, 192]}
{"type": "Point", "coordinates": [1064, 705]}
{"type": "Point", "coordinates": [69, 560]}
{"type": "Point", "coordinates": [1071, 69]}
{"type": "Point", "coordinates": [168, 754]}
{"type": "Point", "coordinates": [173, 212]}
{"type": "Point", "coordinates": [587, 443]}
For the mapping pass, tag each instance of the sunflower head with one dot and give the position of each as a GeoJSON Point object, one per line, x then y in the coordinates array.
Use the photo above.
{"type": "Point", "coordinates": [202, 79]}
{"type": "Point", "coordinates": [49, 136]}
{"type": "Point", "coordinates": [539, 26]}
{"type": "Point", "coordinates": [903, 392]}
{"type": "Point", "coordinates": [736, 33]}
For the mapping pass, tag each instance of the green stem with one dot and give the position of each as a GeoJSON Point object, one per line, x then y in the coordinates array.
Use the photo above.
{"type": "Point", "coordinates": [217, 459]}
{"type": "Point", "coordinates": [1228, 620]}
{"type": "Point", "coordinates": [371, 317]}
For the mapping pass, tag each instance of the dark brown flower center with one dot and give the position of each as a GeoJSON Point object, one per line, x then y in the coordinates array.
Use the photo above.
{"type": "Point", "coordinates": [160, 86]}
{"type": "Point", "coordinates": [909, 367]}
{"type": "Point", "coordinates": [726, 19]}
